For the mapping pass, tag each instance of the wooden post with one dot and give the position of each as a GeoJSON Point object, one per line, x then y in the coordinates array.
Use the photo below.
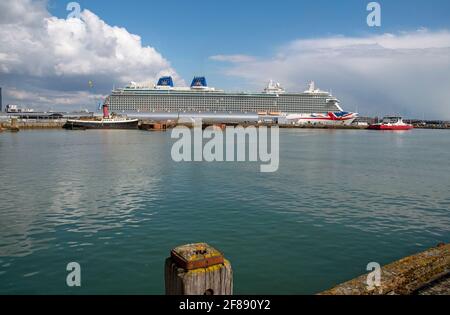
{"type": "Point", "coordinates": [14, 127]}
{"type": "Point", "coordinates": [198, 269]}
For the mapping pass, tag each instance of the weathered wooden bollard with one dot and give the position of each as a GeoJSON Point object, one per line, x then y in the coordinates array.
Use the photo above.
{"type": "Point", "coordinates": [198, 269]}
{"type": "Point", "coordinates": [14, 127]}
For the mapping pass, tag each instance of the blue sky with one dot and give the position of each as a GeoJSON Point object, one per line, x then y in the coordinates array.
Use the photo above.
{"type": "Point", "coordinates": [402, 67]}
{"type": "Point", "coordinates": [187, 33]}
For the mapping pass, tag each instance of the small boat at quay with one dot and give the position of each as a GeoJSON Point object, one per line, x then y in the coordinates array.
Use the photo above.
{"type": "Point", "coordinates": [106, 122]}
{"type": "Point", "coordinates": [391, 123]}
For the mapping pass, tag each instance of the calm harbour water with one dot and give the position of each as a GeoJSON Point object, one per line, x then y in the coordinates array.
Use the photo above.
{"type": "Point", "coordinates": [116, 203]}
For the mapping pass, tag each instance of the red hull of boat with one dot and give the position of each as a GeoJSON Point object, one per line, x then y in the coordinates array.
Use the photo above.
{"type": "Point", "coordinates": [384, 127]}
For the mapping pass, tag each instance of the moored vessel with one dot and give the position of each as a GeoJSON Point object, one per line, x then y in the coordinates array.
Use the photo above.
{"type": "Point", "coordinates": [391, 123]}
{"type": "Point", "coordinates": [312, 106]}
{"type": "Point", "coordinates": [106, 122]}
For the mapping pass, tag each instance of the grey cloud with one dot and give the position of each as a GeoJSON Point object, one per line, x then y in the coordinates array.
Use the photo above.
{"type": "Point", "coordinates": [407, 74]}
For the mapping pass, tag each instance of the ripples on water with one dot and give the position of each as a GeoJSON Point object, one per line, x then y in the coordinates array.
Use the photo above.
{"type": "Point", "coordinates": [116, 203]}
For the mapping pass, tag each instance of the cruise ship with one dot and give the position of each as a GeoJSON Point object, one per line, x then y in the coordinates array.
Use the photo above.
{"type": "Point", "coordinates": [312, 106]}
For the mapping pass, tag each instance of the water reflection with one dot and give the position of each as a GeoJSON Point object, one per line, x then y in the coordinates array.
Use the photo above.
{"type": "Point", "coordinates": [93, 182]}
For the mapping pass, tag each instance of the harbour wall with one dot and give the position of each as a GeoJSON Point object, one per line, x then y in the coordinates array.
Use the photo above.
{"type": "Point", "coordinates": [170, 120]}
{"type": "Point", "coordinates": [32, 124]}
{"type": "Point", "coordinates": [424, 273]}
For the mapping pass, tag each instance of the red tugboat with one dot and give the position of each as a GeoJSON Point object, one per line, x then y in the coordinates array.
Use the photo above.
{"type": "Point", "coordinates": [391, 123]}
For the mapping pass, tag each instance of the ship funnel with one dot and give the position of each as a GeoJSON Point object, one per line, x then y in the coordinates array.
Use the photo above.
{"type": "Point", "coordinates": [165, 81]}
{"type": "Point", "coordinates": [199, 82]}
{"type": "Point", "coordinates": [105, 111]}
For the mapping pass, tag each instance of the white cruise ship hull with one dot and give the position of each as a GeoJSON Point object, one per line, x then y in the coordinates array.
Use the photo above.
{"type": "Point", "coordinates": [331, 118]}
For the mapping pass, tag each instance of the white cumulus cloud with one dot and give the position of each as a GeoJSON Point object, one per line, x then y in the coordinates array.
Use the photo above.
{"type": "Point", "coordinates": [406, 73]}
{"type": "Point", "coordinates": [40, 52]}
